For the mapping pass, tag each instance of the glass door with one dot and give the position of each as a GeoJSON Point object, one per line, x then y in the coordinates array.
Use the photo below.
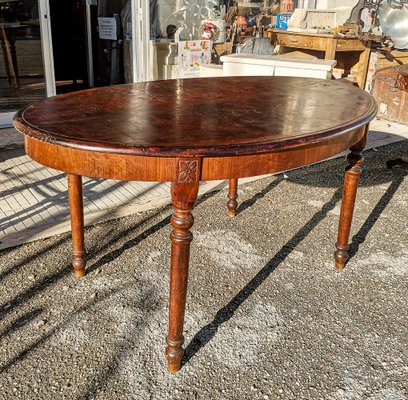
{"type": "Point", "coordinates": [22, 76]}
{"type": "Point", "coordinates": [59, 46]}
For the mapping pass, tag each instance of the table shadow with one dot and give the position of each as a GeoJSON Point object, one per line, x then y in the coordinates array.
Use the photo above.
{"type": "Point", "coordinates": [377, 168]}
{"type": "Point", "coordinates": [362, 233]}
{"type": "Point", "coordinates": [250, 202]}
{"type": "Point", "coordinates": [50, 332]}
{"type": "Point", "coordinates": [208, 332]}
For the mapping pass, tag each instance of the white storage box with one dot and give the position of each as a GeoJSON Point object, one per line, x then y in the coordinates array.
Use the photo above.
{"type": "Point", "coordinates": [264, 65]}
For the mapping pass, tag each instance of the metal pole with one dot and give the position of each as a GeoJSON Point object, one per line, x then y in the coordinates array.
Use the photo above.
{"type": "Point", "coordinates": [89, 54]}
{"type": "Point", "coordinates": [134, 47]}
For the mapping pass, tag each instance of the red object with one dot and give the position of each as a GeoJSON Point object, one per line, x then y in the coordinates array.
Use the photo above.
{"type": "Point", "coordinates": [241, 22]}
{"type": "Point", "coordinates": [287, 7]}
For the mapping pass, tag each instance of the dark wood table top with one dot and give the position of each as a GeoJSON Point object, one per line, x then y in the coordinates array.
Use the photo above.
{"type": "Point", "coordinates": [199, 117]}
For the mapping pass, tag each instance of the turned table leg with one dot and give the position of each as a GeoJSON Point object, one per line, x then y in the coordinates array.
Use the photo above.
{"type": "Point", "coordinates": [76, 210]}
{"type": "Point", "coordinates": [353, 172]}
{"type": "Point", "coordinates": [232, 197]}
{"type": "Point", "coordinates": [183, 198]}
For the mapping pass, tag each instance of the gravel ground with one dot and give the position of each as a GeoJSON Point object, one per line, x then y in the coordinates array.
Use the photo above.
{"type": "Point", "coordinates": [268, 316]}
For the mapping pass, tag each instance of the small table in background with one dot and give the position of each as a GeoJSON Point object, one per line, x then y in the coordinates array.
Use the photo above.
{"type": "Point", "coordinates": [191, 130]}
{"type": "Point", "coordinates": [328, 43]}
{"type": "Point", "coordinates": [7, 40]}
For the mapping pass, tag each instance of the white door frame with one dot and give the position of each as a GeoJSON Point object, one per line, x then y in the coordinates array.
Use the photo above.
{"type": "Point", "coordinates": [46, 45]}
{"type": "Point", "coordinates": [88, 40]}
{"type": "Point", "coordinates": [140, 39]}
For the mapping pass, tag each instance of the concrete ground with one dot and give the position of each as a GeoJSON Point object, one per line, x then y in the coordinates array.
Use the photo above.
{"type": "Point", "coordinates": [268, 316]}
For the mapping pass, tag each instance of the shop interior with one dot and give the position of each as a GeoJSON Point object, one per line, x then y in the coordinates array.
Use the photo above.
{"type": "Point", "coordinates": [92, 39]}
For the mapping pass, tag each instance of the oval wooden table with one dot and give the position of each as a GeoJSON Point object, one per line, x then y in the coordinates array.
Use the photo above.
{"type": "Point", "coordinates": [184, 131]}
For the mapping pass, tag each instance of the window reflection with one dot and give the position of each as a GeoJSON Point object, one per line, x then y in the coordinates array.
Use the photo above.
{"type": "Point", "coordinates": [21, 64]}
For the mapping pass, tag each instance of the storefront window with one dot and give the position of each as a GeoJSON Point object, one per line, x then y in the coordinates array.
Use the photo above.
{"type": "Point", "coordinates": [21, 64]}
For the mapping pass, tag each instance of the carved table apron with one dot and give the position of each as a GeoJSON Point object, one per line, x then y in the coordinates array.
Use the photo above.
{"type": "Point", "coordinates": [184, 131]}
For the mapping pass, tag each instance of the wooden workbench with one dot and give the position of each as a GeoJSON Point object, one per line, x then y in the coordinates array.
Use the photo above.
{"type": "Point", "coordinates": [331, 45]}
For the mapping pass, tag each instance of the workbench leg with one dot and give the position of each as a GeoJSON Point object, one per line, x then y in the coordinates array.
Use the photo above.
{"type": "Point", "coordinates": [363, 67]}
{"type": "Point", "coordinates": [232, 197]}
{"type": "Point", "coordinates": [353, 172]}
{"type": "Point", "coordinates": [76, 210]}
{"type": "Point", "coordinates": [183, 198]}
{"type": "Point", "coordinates": [331, 45]}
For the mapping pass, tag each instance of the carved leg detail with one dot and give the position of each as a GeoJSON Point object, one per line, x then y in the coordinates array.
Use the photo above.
{"type": "Point", "coordinates": [232, 197]}
{"type": "Point", "coordinates": [183, 198]}
{"type": "Point", "coordinates": [77, 223]}
{"type": "Point", "coordinates": [353, 172]}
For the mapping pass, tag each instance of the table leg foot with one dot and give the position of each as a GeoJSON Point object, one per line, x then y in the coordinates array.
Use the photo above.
{"type": "Point", "coordinates": [174, 354]}
{"type": "Point", "coordinates": [183, 198]}
{"type": "Point", "coordinates": [80, 274]}
{"type": "Point", "coordinates": [78, 263]}
{"type": "Point", "coordinates": [232, 203]}
{"type": "Point", "coordinates": [340, 256]}
{"type": "Point", "coordinates": [353, 172]}
{"type": "Point", "coordinates": [77, 224]}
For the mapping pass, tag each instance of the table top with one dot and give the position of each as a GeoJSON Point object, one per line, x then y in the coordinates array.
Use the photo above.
{"type": "Point", "coordinates": [324, 35]}
{"type": "Point", "coordinates": [223, 116]}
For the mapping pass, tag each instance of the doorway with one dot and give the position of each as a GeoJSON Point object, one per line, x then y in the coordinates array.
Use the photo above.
{"type": "Point", "coordinates": [91, 43]}
{"type": "Point", "coordinates": [68, 45]}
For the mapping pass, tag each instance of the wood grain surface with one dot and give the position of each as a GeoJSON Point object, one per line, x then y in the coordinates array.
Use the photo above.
{"type": "Point", "coordinates": [224, 116]}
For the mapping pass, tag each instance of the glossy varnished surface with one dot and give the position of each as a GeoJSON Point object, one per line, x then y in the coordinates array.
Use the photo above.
{"type": "Point", "coordinates": [201, 117]}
